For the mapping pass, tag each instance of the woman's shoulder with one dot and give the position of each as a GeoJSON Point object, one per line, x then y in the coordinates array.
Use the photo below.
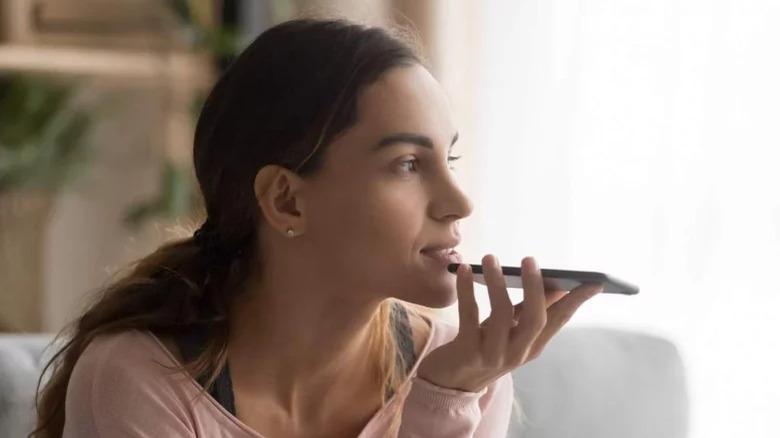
{"type": "Point", "coordinates": [123, 381]}
{"type": "Point", "coordinates": [129, 383]}
{"type": "Point", "coordinates": [443, 330]}
{"type": "Point", "coordinates": [431, 328]}
{"type": "Point", "coordinates": [132, 361]}
{"type": "Point", "coordinates": [132, 349]}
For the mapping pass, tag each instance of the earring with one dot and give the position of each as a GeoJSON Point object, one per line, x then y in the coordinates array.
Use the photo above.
{"type": "Point", "coordinates": [290, 232]}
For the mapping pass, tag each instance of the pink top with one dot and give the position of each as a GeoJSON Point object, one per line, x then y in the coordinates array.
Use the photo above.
{"type": "Point", "coordinates": [121, 388]}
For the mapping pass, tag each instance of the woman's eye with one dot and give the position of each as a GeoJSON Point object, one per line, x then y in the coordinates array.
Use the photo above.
{"type": "Point", "coordinates": [451, 159]}
{"type": "Point", "coordinates": [409, 165]}
{"type": "Point", "coordinates": [412, 165]}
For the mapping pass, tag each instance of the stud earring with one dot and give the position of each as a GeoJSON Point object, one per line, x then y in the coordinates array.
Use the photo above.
{"type": "Point", "coordinates": [290, 232]}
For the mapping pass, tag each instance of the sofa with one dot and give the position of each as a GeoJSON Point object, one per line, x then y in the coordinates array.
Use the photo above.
{"type": "Point", "coordinates": [588, 383]}
{"type": "Point", "coordinates": [22, 358]}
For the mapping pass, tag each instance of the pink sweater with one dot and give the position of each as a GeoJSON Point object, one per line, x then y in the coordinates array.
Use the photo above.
{"type": "Point", "coordinates": [119, 388]}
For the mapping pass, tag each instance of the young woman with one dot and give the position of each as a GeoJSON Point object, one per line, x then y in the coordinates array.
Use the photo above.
{"type": "Point", "coordinates": [323, 156]}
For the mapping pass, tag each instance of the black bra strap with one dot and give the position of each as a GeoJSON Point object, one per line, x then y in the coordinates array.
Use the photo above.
{"type": "Point", "coordinates": [191, 344]}
{"type": "Point", "coordinates": [404, 339]}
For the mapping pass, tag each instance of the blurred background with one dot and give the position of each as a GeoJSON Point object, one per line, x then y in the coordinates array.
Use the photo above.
{"type": "Point", "coordinates": [631, 137]}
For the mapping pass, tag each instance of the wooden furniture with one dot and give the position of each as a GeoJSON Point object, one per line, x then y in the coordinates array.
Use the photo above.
{"type": "Point", "coordinates": [132, 43]}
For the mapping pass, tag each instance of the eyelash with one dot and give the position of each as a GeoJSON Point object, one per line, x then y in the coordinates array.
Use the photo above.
{"type": "Point", "coordinates": [450, 159]}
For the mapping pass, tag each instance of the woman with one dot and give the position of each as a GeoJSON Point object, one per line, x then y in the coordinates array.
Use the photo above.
{"type": "Point", "coordinates": [323, 157]}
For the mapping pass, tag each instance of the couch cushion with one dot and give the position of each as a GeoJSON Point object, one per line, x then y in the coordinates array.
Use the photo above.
{"type": "Point", "coordinates": [22, 358]}
{"type": "Point", "coordinates": [603, 383]}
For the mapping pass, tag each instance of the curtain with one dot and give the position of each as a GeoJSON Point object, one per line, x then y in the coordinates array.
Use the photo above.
{"type": "Point", "coordinates": [641, 138]}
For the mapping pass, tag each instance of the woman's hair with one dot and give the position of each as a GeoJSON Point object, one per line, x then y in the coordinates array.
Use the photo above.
{"type": "Point", "coordinates": [282, 101]}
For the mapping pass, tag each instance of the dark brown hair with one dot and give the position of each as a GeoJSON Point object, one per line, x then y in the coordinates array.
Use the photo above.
{"type": "Point", "coordinates": [289, 94]}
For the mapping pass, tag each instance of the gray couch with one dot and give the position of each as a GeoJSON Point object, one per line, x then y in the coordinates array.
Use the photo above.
{"type": "Point", "coordinates": [588, 383]}
{"type": "Point", "coordinates": [21, 359]}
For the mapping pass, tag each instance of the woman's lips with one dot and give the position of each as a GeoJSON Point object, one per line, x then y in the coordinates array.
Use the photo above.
{"type": "Point", "coordinates": [444, 257]}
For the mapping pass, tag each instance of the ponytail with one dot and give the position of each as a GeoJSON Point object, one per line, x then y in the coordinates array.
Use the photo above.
{"type": "Point", "coordinates": [166, 292]}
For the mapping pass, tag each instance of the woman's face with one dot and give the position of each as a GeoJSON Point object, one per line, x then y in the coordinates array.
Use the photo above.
{"type": "Point", "coordinates": [386, 196]}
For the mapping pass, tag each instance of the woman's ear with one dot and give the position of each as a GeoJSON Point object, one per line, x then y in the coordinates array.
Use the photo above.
{"type": "Point", "coordinates": [278, 193]}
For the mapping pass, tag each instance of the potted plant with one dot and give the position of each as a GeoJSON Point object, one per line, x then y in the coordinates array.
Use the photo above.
{"type": "Point", "coordinates": [45, 143]}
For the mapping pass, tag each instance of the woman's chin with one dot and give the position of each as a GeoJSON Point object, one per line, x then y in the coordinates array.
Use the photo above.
{"type": "Point", "coordinates": [427, 286]}
{"type": "Point", "coordinates": [435, 294]}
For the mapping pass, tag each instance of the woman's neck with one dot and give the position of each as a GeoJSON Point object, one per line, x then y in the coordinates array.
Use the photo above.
{"type": "Point", "coordinates": [293, 343]}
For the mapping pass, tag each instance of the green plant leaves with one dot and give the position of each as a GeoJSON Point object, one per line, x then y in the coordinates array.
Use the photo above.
{"type": "Point", "coordinates": [44, 139]}
{"type": "Point", "coordinates": [177, 197]}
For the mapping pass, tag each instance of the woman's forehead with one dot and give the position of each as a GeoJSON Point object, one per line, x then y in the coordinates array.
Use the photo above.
{"type": "Point", "coordinates": [405, 99]}
{"type": "Point", "coordinates": [405, 103]}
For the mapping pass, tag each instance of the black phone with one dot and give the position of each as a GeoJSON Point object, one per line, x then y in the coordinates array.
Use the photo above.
{"type": "Point", "coordinates": [557, 279]}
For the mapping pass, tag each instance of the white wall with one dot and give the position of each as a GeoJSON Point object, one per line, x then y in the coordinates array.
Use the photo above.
{"type": "Point", "coordinates": [640, 138]}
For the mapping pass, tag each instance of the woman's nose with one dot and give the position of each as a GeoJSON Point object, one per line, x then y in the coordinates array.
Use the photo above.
{"type": "Point", "coordinates": [450, 202]}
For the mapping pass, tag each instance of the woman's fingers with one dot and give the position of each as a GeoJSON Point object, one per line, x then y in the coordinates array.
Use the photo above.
{"type": "Point", "coordinates": [534, 309]}
{"type": "Point", "coordinates": [550, 297]}
{"type": "Point", "coordinates": [467, 304]}
{"type": "Point", "coordinates": [501, 309]}
{"type": "Point", "coordinates": [497, 326]}
{"type": "Point", "coordinates": [561, 312]}
{"type": "Point", "coordinates": [482, 352]}
{"type": "Point", "coordinates": [532, 316]}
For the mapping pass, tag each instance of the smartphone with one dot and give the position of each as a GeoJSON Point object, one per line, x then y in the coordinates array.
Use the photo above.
{"type": "Point", "coordinates": [557, 279]}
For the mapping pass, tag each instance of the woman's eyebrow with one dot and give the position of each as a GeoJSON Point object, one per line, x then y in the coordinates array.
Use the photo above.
{"type": "Point", "coordinates": [409, 137]}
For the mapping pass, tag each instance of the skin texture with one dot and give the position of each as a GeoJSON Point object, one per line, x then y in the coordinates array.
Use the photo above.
{"type": "Point", "coordinates": [359, 227]}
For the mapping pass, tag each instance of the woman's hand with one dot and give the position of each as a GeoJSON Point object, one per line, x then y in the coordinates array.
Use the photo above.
{"type": "Point", "coordinates": [509, 337]}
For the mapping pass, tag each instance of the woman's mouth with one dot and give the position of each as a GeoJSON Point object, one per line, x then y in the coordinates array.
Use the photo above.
{"type": "Point", "coordinates": [444, 256]}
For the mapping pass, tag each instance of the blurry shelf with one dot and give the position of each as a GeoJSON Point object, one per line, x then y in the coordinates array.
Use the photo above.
{"type": "Point", "coordinates": [182, 68]}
